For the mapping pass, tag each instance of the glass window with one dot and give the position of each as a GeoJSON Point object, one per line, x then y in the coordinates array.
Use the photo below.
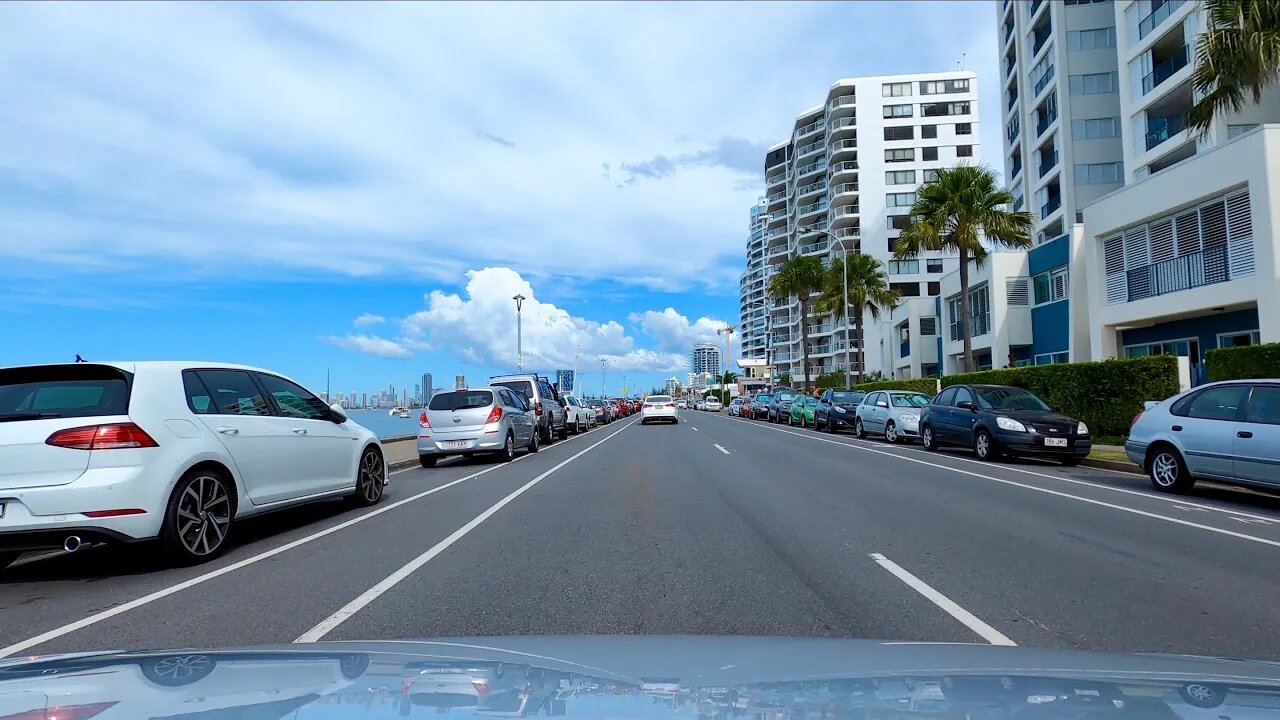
{"type": "Point", "coordinates": [461, 400]}
{"type": "Point", "coordinates": [906, 199]}
{"type": "Point", "coordinates": [929, 132]}
{"type": "Point", "coordinates": [1094, 128]}
{"type": "Point", "coordinates": [964, 128]}
{"type": "Point", "coordinates": [900, 177]}
{"type": "Point", "coordinates": [928, 326]}
{"type": "Point", "coordinates": [897, 222]}
{"type": "Point", "coordinates": [63, 391]}
{"type": "Point", "coordinates": [946, 397]}
{"type": "Point", "coordinates": [900, 155]}
{"type": "Point", "coordinates": [293, 400]}
{"type": "Point", "coordinates": [930, 175]}
{"type": "Point", "coordinates": [964, 151]}
{"type": "Point", "coordinates": [1234, 131]}
{"type": "Point", "coordinates": [935, 288]}
{"type": "Point", "coordinates": [909, 399]}
{"type": "Point", "coordinates": [1218, 403]}
{"type": "Point", "coordinates": [234, 392]}
{"type": "Point", "coordinates": [1098, 173]}
{"type": "Point", "coordinates": [896, 89]}
{"type": "Point", "coordinates": [197, 396]}
{"type": "Point", "coordinates": [1239, 339]}
{"type": "Point", "coordinates": [905, 132]}
{"type": "Point", "coordinates": [1052, 286]}
{"type": "Point", "coordinates": [929, 153]}
{"type": "Point", "coordinates": [894, 111]}
{"type": "Point", "coordinates": [1091, 39]}
{"type": "Point", "coordinates": [1001, 398]}
{"type": "Point", "coordinates": [963, 394]}
{"type": "Point", "coordinates": [933, 265]}
{"type": "Point", "coordinates": [1264, 405]}
{"type": "Point", "coordinates": [944, 109]}
{"type": "Point", "coordinates": [1093, 84]}
{"type": "Point", "coordinates": [904, 267]}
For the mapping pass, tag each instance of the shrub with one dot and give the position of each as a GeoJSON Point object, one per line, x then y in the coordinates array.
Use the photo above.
{"type": "Point", "coordinates": [928, 386]}
{"type": "Point", "coordinates": [1242, 363]}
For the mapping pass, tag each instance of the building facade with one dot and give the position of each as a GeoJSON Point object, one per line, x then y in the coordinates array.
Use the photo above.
{"type": "Point", "coordinates": [705, 359]}
{"type": "Point", "coordinates": [752, 290]}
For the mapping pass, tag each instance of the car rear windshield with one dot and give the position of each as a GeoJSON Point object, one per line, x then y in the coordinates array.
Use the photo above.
{"type": "Point", "coordinates": [659, 398]}
{"type": "Point", "coordinates": [910, 400]}
{"type": "Point", "coordinates": [1009, 399]}
{"type": "Point", "coordinates": [521, 386]}
{"type": "Point", "coordinates": [785, 396]}
{"type": "Point", "coordinates": [461, 400]}
{"type": "Point", "coordinates": [763, 398]}
{"type": "Point", "coordinates": [63, 391]}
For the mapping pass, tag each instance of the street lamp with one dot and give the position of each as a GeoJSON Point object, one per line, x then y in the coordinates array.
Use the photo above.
{"type": "Point", "coordinates": [604, 393]}
{"type": "Point", "coordinates": [844, 256]}
{"type": "Point", "coordinates": [727, 330]}
{"type": "Point", "coordinates": [519, 335]}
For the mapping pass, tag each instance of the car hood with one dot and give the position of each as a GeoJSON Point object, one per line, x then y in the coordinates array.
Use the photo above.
{"type": "Point", "coordinates": [646, 677]}
{"type": "Point", "coordinates": [1048, 417]}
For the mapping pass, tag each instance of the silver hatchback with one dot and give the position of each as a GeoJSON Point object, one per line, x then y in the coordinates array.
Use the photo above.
{"type": "Point", "coordinates": [1226, 431]}
{"type": "Point", "coordinates": [476, 420]}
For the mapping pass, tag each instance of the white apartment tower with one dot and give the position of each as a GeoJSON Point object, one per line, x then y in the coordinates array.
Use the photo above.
{"type": "Point", "coordinates": [752, 290]}
{"type": "Point", "coordinates": [705, 358]}
{"type": "Point", "coordinates": [844, 182]}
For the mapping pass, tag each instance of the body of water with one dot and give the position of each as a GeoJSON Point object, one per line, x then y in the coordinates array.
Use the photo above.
{"type": "Point", "coordinates": [384, 425]}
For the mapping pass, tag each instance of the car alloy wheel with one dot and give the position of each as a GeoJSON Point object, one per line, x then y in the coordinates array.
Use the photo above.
{"type": "Point", "coordinates": [983, 445]}
{"type": "Point", "coordinates": [178, 670]}
{"type": "Point", "coordinates": [372, 478]}
{"type": "Point", "coordinates": [858, 430]}
{"type": "Point", "coordinates": [927, 440]}
{"type": "Point", "coordinates": [535, 443]}
{"type": "Point", "coordinates": [508, 448]}
{"type": "Point", "coordinates": [890, 432]}
{"type": "Point", "coordinates": [199, 518]}
{"type": "Point", "coordinates": [1164, 469]}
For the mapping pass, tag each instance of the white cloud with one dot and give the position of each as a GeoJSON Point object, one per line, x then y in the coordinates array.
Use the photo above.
{"type": "Point", "coordinates": [367, 319]}
{"type": "Point", "coordinates": [369, 345]}
{"type": "Point", "coordinates": [675, 333]}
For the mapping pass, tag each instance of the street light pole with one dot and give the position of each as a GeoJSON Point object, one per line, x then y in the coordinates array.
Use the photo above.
{"type": "Point", "coordinates": [519, 334]}
{"type": "Point", "coordinates": [604, 390]}
{"type": "Point", "coordinates": [576, 353]}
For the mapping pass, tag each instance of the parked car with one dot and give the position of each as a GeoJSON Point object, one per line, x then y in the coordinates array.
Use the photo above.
{"type": "Point", "coordinates": [836, 409]}
{"type": "Point", "coordinates": [735, 406]}
{"type": "Point", "coordinates": [476, 420]}
{"type": "Point", "coordinates": [780, 404]}
{"type": "Point", "coordinates": [711, 404]}
{"type": "Point", "coordinates": [803, 411]}
{"type": "Point", "coordinates": [892, 413]}
{"type": "Point", "coordinates": [603, 410]}
{"type": "Point", "coordinates": [760, 406]}
{"type": "Point", "coordinates": [578, 416]}
{"type": "Point", "coordinates": [620, 407]}
{"type": "Point", "coordinates": [700, 404]}
{"type": "Point", "coordinates": [682, 404]}
{"type": "Point", "coordinates": [543, 398]}
{"type": "Point", "coordinates": [659, 407]}
{"type": "Point", "coordinates": [1227, 431]}
{"type": "Point", "coordinates": [1000, 419]}
{"type": "Point", "coordinates": [136, 447]}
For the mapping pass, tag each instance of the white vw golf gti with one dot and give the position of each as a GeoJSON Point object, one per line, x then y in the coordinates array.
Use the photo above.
{"type": "Point", "coordinates": [172, 451]}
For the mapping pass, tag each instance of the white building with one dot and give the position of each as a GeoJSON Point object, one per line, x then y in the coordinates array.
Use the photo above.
{"type": "Point", "coordinates": [999, 314]}
{"type": "Point", "coordinates": [705, 358]}
{"type": "Point", "coordinates": [753, 289]}
{"type": "Point", "coordinates": [908, 339]}
{"type": "Point", "coordinates": [845, 181]}
{"type": "Point", "coordinates": [672, 387]}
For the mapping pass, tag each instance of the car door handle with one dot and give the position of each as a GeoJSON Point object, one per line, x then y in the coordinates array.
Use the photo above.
{"type": "Point", "coordinates": [1244, 434]}
{"type": "Point", "coordinates": [228, 430]}
{"type": "Point", "coordinates": [299, 431]}
{"type": "Point", "coordinates": [1177, 428]}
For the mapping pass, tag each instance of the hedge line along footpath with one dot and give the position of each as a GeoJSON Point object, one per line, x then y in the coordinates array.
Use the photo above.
{"type": "Point", "coordinates": [1105, 395]}
{"type": "Point", "coordinates": [1243, 363]}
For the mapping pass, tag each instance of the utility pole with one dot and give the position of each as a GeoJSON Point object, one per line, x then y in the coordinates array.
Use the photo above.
{"type": "Point", "coordinates": [603, 387]}
{"type": "Point", "coordinates": [327, 395]}
{"type": "Point", "coordinates": [576, 353]}
{"type": "Point", "coordinates": [519, 339]}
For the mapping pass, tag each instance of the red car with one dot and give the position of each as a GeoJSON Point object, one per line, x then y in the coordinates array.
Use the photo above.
{"type": "Point", "coordinates": [620, 407]}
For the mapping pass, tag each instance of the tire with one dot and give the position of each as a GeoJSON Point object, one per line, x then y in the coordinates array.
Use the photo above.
{"type": "Point", "coordinates": [1072, 461]}
{"type": "Point", "coordinates": [928, 440]}
{"type": "Point", "coordinates": [564, 430]}
{"type": "Point", "coordinates": [891, 433]}
{"type": "Point", "coordinates": [831, 426]}
{"type": "Point", "coordinates": [508, 451]}
{"type": "Point", "coordinates": [371, 479]}
{"type": "Point", "coordinates": [643, 421]}
{"type": "Point", "coordinates": [353, 666]}
{"type": "Point", "coordinates": [428, 461]}
{"type": "Point", "coordinates": [578, 427]}
{"type": "Point", "coordinates": [791, 420]}
{"type": "Point", "coordinates": [548, 436]}
{"type": "Point", "coordinates": [1167, 470]}
{"type": "Point", "coordinates": [1203, 695]}
{"type": "Point", "coordinates": [206, 496]}
{"type": "Point", "coordinates": [859, 431]}
{"type": "Point", "coordinates": [675, 421]}
{"type": "Point", "coordinates": [177, 670]}
{"type": "Point", "coordinates": [535, 443]}
{"type": "Point", "coordinates": [984, 446]}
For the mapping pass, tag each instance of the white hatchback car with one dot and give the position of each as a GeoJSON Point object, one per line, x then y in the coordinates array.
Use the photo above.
{"type": "Point", "coordinates": [174, 451]}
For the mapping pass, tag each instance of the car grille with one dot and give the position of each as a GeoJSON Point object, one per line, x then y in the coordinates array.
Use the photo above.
{"type": "Point", "coordinates": [1053, 429]}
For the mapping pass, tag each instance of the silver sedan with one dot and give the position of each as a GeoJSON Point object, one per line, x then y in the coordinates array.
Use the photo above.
{"type": "Point", "coordinates": [476, 420]}
{"type": "Point", "coordinates": [895, 414]}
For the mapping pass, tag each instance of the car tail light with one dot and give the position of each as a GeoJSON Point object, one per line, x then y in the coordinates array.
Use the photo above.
{"type": "Point", "coordinates": [113, 513]}
{"type": "Point", "coordinates": [62, 712]}
{"type": "Point", "coordinates": [102, 437]}
{"type": "Point", "coordinates": [669, 405]}
{"type": "Point", "coordinates": [482, 687]}
{"type": "Point", "coordinates": [423, 421]}
{"type": "Point", "coordinates": [494, 415]}
{"type": "Point", "coordinates": [1134, 421]}
{"type": "Point", "coordinates": [537, 408]}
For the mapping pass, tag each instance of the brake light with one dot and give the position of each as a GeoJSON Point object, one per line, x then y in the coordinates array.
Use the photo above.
{"type": "Point", "coordinates": [482, 687]}
{"type": "Point", "coordinates": [102, 437]}
{"type": "Point", "coordinates": [423, 421]}
{"type": "Point", "coordinates": [494, 415]}
{"type": "Point", "coordinates": [537, 408]}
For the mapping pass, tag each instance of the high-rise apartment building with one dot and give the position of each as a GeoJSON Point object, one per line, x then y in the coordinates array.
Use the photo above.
{"type": "Point", "coordinates": [844, 182]}
{"type": "Point", "coordinates": [427, 388]}
{"type": "Point", "coordinates": [705, 358]}
{"type": "Point", "coordinates": [753, 290]}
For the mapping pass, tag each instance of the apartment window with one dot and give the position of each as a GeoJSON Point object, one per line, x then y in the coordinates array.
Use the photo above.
{"type": "Point", "coordinates": [1012, 129]}
{"type": "Point", "coordinates": [896, 89]}
{"type": "Point", "coordinates": [943, 109]}
{"type": "Point", "coordinates": [964, 151]}
{"type": "Point", "coordinates": [930, 175]}
{"type": "Point", "coordinates": [1235, 131]}
{"type": "Point", "coordinates": [933, 266]}
{"type": "Point", "coordinates": [904, 267]}
{"type": "Point", "coordinates": [1052, 358]}
{"type": "Point", "coordinates": [906, 289]}
{"type": "Point", "coordinates": [964, 128]}
{"type": "Point", "coordinates": [942, 87]}
{"type": "Point", "coordinates": [1051, 286]}
{"type": "Point", "coordinates": [896, 111]}
{"type": "Point", "coordinates": [897, 222]}
{"type": "Point", "coordinates": [1094, 128]}
{"type": "Point", "coordinates": [906, 199]}
{"type": "Point", "coordinates": [929, 153]}
{"type": "Point", "coordinates": [929, 132]}
{"type": "Point", "coordinates": [1015, 292]}
{"type": "Point", "coordinates": [900, 155]}
{"type": "Point", "coordinates": [1095, 39]}
{"type": "Point", "coordinates": [893, 243]}
{"type": "Point", "coordinates": [906, 132]}
{"type": "Point", "coordinates": [1098, 173]}
{"type": "Point", "coordinates": [1069, 3]}
{"type": "Point", "coordinates": [1093, 84]}
{"type": "Point", "coordinates": [929, 325]}
{"type": "Point", "coordinates": [900, 177]}
{"type": "Point", "coordinates": [935, 288]}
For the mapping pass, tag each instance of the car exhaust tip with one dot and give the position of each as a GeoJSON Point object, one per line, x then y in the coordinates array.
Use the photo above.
{"type": "Point", "coordinates": [72, 543]}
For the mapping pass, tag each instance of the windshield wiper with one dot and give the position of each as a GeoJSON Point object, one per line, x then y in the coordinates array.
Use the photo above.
{"type": "Point", "coordinates": [29, 416]}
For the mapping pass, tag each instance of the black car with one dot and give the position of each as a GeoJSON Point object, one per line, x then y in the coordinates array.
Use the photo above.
{"type": "Point", "coordinates": [837, 409]}
{"type": "Point", "coordinates": [780, 404]}
{"type": "Point", "coordinates": [999, 420]}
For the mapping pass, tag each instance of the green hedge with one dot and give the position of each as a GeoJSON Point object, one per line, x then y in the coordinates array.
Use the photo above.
{"type": "Point", "coordinates": [1242, 363]}
{"type": "Point", "coordinates": [1105, 395]}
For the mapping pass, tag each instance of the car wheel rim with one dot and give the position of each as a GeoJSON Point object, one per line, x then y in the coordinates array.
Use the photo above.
{"type": "Point", "coordinates": [509, 447]}
{"type": "Point", "coordinates": [1200, 692]}
{"type": "Point", "coordinates": [983, 446]}
{"type": "Point", "coordinates": [1164, 469]}
{"type": "Point", "coordinates": [371, 476]}
{"type": "Point", "coordinates": [927, 438]}
{"type": "Point", "coordinates": [204, 512]}
{"type": "Point", "coordinates": [889, 433]}
{"type": "Point", "coordinates": [181, 667]}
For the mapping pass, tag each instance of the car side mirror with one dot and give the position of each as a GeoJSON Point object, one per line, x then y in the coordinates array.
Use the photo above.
{"type": "Point", "coordinates": [881, 403]}
{"type": "Point", "coordinates": [966, 405]}
{"type": "Point", "coordinates": [338, 415]}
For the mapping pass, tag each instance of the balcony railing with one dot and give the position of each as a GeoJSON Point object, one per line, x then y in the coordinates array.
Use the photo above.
{"type": "Point", "coordinates": [813, 207]}
{"type": "Point", "coordinates": [812, 167]}
{"type": "Point", "coordinates": [1050, 206]}
{"type": "Point", "coordinates": [843, 188]}
{"type": "Point", "coordinates": [1017, 168]}
{"type": "Point", "coordinates": [1009, 64]}
{"type": "Point", "coordinates": [777, 232]}
{"type": "Point", "coordinates": [775, 197]}
{"type": "Point", "coordinates": [1162, 128]}
{"type": "Point", "coordinates": [1207, 267]}
{"type": "Point", "coordinates": [1048, 162]}
{"type": "Point", "coordinates": [842, 101]}
{"type": "Point", "coordinates": [1157, 16]}
{"type": "Point", "coordinates": [846, 166]}
{"type": "Point", "coordinates": [841, 123]}
{"type": "Point", "coordinates": [1035, 5]}
{"type": "Point", "coordinates": [1043, 81]}
{"type": "Point", "coordinates": [1008, 29]}
{"type": "Point", "coordinates": [810, 148]}
{"type": "Point", "coordinates": [779, 178]}
{"type": "Point", "coordinates": [810, 188]}
{"type": "Point", "coordinates": [1040, 37]}
{"type": "Point", "coordinates": [811, 128]}
{"type": "Point", "coordinates": [1165, 69]}
{"type": "Point", "coordinates": [904, 348]}
{"type": "Point", "coordinates": [841, 145]}
{"type": "Point", "coordinates": [1013, 99]}
{"type": "Point", "coordinates": [1012, 130]}
{"type": "Point", "coordinates": [1044, 120]}
{"type": "Point", "coordinates": [844, 210]}
{"type": "Point", "coordinates": [848, 232]}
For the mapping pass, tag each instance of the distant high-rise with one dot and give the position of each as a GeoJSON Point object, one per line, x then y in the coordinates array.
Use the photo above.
{"type": "Point", "coordinates": [672, 386]}
{"type": "Point", "coordinates": [705, 358]}
{"type": "Point", "coordinates": [428, 389]}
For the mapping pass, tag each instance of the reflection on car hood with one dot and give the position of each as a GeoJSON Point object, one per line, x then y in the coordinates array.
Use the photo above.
{"type": "Point", "coordinates": [1049, 417]}
{"type": "Point", "coordinates": [614, 678]}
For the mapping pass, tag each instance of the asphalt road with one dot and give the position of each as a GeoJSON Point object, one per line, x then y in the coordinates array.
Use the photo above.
{"type": "Point", "coordinates": [714, 526]}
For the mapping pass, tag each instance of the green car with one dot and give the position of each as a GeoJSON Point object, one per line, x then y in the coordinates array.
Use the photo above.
{"type": "Point", "coordinates": [802, 411]}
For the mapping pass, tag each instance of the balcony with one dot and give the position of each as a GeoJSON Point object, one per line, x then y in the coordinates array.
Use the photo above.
{"type": "Point", "coordinates": [841, 146]}
{"type": "Point", "coordinates": [813, 127]}
{"type": "Point", "coordinates": [775, 197]}
{"type": "Point", "coordinates": [1044, 120]}
{"type": "Point", "coordinates": [811, 168]}
{"type": "Point", "coordinates": [1017, 167]}
{"type": "Point", "coordinates": [1048, 162]}
{"type": "Point", "coordinates": [844, 210]}
{"type": "Point", "coordinates": [777, 179]}
{"type": "Point", "coordinates": [1043, 81]}
{"type": "Point", "coordinates": [848, 166]}
{"type": "Point", "coordinates": [843, 101]}
{"type": "Point", "coordinates": [1039, 37]}
{"type": "Point", "coordinates": [1013, 98]}
{"type": "Point", "coordinates": [1008, 29]}
{"type": "Point", "coordinates": [1165, 69]}
{"type": "Point", "coordinates": [1050, 206]}
{"type": "Point", "coordinates": [777, 232]}
{"type": "Point", "coordinates": [1157, 16]}
{"type": "Point", "coordinates": [821, 329]}
{"type": "Point", "coordinates": [1035, 5]}
{"type": "Point", "coordinates": [814, 247]}
{"type": "Point", "coordinates": [1207, 267]}
{"type": "Point", "coordinates": [810, 148]}
{"type": "Point", "coordinates": [813, 208]}
{"type": "Point", "coordinates": [842, 124]}
{"type": "Point", "coordinates": [1012, 129]}
{"type": "Point", "coordinates": [844, 189]}
{"type": "Point", "coordinates": [811, 188]}
{"type": "Point", "coordinates": [904, 349]}
{"type": "Point", "coordinates": [1160, 129]}
{"type": "Point", "coordinates": [848, 233]}
{"type": "Point", "coordinates": [1010, 62]}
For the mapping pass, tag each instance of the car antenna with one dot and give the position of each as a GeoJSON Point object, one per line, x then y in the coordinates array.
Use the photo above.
{"type": "Point", "coordinates": [78, 358]}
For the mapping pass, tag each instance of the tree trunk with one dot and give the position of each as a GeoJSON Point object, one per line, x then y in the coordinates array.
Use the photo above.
{"type": "Point", "coordinates": [862, 348]}
{"type": "Point", "coordinates": [966, 331]}
{"type": "Point", "coordinates": [804, 340]}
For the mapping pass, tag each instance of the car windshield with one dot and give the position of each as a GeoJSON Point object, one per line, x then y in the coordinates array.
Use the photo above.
{"type": "Point", "coordinates": [1008, 399]}
{"type": "Point", "coordinates": [916, 400]}
{"type": "Point", "coordinates": [847, 398]}
{"type": "Point", "coordinates": [763, 398]}
{"type": "Point", "coordinates": [461, 400]}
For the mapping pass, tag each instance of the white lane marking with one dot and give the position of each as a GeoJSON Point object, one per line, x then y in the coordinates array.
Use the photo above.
{"type": "Point", "coordinates": [968, 619]}
{"type": "Point", "coordinates": [1047, 491]}
{"type": "Point", "coordinates": [721, 449]}
{"type": "Point", "coordinates": [693, 427]}
{"type": "Point", "coordinates": [96, 618]}
{"type": "Point", "coordinates": [324, 627]}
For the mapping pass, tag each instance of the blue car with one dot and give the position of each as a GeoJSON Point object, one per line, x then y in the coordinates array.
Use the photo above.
{"type": "Point", "coordinates": [998, 420]}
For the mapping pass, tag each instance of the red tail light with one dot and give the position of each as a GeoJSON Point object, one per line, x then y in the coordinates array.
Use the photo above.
{"type": "Point", "coordinates": [482, 687]}
{"type": "Point", "coordinates": [423, 421]}
{"type": "Point", "coordinates": [113, 513]}
{"type": "Point", "coordinates": [669, 405]}
{"type": "Point", "coordinates": [494, 415]}
{"type": "Point", "coordinates": [102, 437]}
{"type": "Point", "coordinates": [537, 408]}
{"type": "Point", "coordinates": [1135, 419]}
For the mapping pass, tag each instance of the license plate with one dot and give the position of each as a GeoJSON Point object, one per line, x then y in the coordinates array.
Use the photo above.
{"type": "Point", "coordinates": [1055, 442]}
{"type": "Point", "coordinates": [456, 444]}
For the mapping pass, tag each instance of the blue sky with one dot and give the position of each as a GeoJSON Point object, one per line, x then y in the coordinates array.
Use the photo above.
{"type": "Point", "coordinates": [361, 189]}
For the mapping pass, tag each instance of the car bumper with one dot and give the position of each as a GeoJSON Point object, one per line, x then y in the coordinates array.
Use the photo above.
{"type": "Point", "coordinates": [43, 517]}
{"type": "Point", "coordinates": [445, 445]}
{"type": "Point", "coordinates": [841, 420]}
{"type": "Point", "coordinates": [658, 415]}
{"type": "Point", "coordinates": [1032, 445]}
{"type": "Point", "coordinates": [1136, 452]}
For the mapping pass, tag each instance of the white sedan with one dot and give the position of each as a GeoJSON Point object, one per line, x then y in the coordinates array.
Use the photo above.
{"type": "Point", "coordinates": [659, 407]}
{"type": "Point", "coordinates": [179, 452]}
{"type": "Point", "coordinates": [711, 404]}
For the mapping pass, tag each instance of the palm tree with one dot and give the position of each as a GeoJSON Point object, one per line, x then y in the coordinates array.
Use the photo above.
{"type": "Point", "coordinates": [868, 290]}
{"type": "Point", "coordinates": [963, 210]}
{"type": "Point", "coordinates": [802, 277]}
{"type": "Point", "coordinates": [1238, 54]}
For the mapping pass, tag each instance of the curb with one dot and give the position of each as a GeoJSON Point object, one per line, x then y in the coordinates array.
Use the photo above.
{"type": "Point", "coordinates": [1113, 465]}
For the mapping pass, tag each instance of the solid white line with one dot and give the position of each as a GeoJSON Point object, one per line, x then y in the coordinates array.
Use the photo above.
{"type": "Point", "coordinates": [96, 618]}
{"type": "Point", "coordinates": [1091, 501]}
{"type": "Point", "coordinates": [985, 631]}
{"type": "Point", "coordinates": [693, 427]}
{"type": "Point", "coordinates": [324, 627]}
{"type": "Point", "coordinates": [721, 449]}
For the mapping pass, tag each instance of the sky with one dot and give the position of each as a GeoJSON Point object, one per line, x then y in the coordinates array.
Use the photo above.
{"type": "Point", "coordinates": [360, 190]}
